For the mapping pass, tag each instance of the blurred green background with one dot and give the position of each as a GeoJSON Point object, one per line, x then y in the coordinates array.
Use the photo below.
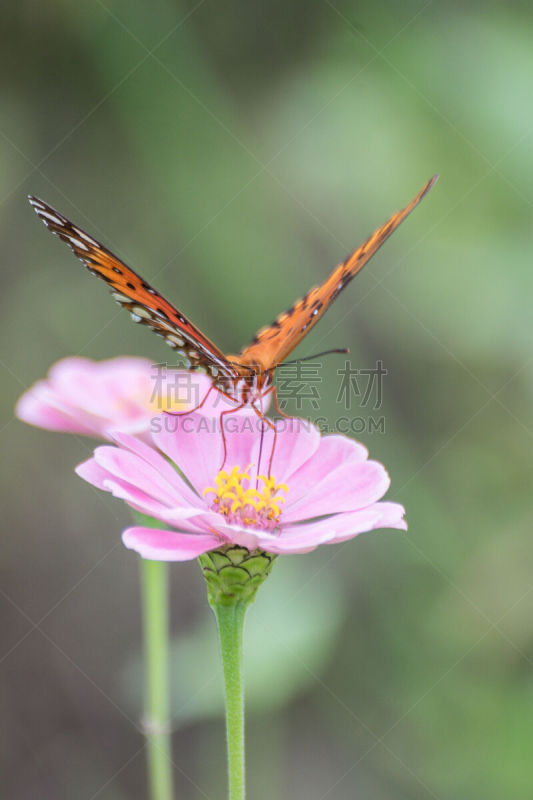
{"type": "Point", "coordinates": [233, 153]}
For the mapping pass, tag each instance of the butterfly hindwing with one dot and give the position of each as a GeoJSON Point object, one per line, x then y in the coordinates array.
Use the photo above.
{"type": "Point", "coordinates": [144, 303]}
{"type": "Point", "coordinates": [273, 344]}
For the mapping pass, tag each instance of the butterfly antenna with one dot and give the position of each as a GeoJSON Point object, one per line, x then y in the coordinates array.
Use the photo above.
{"type": "Point", "coordinates": [342, 350]}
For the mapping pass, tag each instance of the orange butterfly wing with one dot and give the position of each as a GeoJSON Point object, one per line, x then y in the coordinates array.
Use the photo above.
{"type": "Point", "coordinates": [144, 303]}
{"type": "Point", "coordinates": [273, 344]}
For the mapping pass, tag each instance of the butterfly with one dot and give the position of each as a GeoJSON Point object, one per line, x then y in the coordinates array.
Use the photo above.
{"type": "Point", "coordinates": [248, 376]}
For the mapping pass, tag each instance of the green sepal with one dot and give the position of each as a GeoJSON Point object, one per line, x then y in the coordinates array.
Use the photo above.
{"type": "Point", "coordinates": [234, 574]}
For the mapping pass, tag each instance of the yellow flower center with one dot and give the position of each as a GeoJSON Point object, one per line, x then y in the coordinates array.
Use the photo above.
{"type": "Point", "coordinates": [160, 404]}
{"type": "Point", "coordinates": [242, 504]}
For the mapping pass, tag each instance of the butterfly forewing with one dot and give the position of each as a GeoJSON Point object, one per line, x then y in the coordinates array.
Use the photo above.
{"type": "Point", "coordinates": [273, 344]}
{"type": "Point", "coordinates": [270, 346]}
{"type": "Point", "coordinates": [144, 303]}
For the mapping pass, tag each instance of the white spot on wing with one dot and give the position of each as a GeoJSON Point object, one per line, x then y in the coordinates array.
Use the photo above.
{"type": "Point", "coordinates": [43, 213]}
{"type": "Point", "coordinates": [79, 244]}
{"type": "Point", "coordinates": [86, 237]}
{"type": "Point", "coordinates": [165, 325]}
{"type": "Point", "coordinates": [142, 312]}
{"type": "Point", "coordinates": [120, 298]}
{"type": "Point", "coordinates": [178, 341]}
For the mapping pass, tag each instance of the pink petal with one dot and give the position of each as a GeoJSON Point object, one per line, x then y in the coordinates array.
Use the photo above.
{"type": "Point", "coordinates": [251, 442]}
{"type": "Point", "coordinates": [297, 441]}
{"type": "Point", "coordinates": [39, 407]}
{"type": "Point", "coordinates": [84, 396]}
{"type": "Point", "coordinates": [176, 390]}
{"type": "Point", "coordinates": [391, 515]}
{"type": "Point", "coordinates": [92, 473]}
{"type": "Point", "coordinates": [336, 528]}
{"type": "Point", "coordinates": [161, 545]}
{"type": "Point", "coordinates": [194, 443]}
{"type": "Point", "coordinates": [141, 501]}
{"type": "Point", "coordinates": [134, 496]}
{"type": "Point", "coordinates": [243, 441]}
{"type": "Point", "coordinates": [156, 460]}
{"type": "Point", "coordinates": [333, 450]}
{"type": "Point", "coordinates": [132, 469]}
{"type": "Point", "coordinates": [139, 484]}
{"type": "Point", "coordinates": [353, 485]}
{"type": "Point", "coordinates": [101, 386]}
{"type": "Point", "coordinates": [235, 534]}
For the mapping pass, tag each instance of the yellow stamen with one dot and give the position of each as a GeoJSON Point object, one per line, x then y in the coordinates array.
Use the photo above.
{"type": "Point", "coordinates": [254, 506]}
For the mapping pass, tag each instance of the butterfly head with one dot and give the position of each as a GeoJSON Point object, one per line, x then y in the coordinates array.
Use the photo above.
{"type": "Point", "coordinates": [253, 378]}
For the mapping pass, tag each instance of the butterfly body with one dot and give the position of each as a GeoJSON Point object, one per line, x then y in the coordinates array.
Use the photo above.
{"type": "Point", "coordinates": [253, 383]}
{"type": "Point", "coordinates": [245, 377]}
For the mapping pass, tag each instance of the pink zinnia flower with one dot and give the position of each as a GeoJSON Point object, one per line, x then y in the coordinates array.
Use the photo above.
{"type": "Point", "coordinates": [321, 489]}
{"type": "Point", "coordinates": [94, 397]}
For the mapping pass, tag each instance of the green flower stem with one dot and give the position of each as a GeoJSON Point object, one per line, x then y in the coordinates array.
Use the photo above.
{"type": "Point", "coordinates": [233, 575]}
{"type": "Point", "coordinates": [156, 699]}
{"type": "Point", "coordinates": [230, 621]}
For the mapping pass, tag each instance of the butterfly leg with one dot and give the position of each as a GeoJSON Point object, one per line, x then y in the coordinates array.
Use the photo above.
{"type": "Point", "coordinates": [274, 391]}
{"type": "Point", "coordinates": [202, 402]}
{"type": "Point", "coordinates": [192, 410]}
{"type": "Point", "coordinates": [221, 421]}
{"type": "Point", "coordinates": [271, 425]}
